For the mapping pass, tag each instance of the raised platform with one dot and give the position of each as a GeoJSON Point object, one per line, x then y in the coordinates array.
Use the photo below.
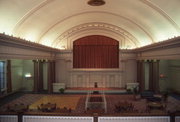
{"type": "Point", "coordinates": [86, 90]}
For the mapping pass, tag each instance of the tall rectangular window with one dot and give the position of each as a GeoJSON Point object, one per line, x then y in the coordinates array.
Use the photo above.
{"type": "Point", "coordinates": [2, 75]}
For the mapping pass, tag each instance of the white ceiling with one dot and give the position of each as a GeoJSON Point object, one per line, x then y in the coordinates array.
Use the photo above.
{"type": "Point", "coordinates": [57, 23]}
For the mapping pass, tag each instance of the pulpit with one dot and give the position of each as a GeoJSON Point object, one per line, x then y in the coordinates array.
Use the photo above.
{"type": "Point", "coordinates": [95, 85]}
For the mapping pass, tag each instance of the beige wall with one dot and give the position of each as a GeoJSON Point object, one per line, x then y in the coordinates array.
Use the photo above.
{"type": "Point", "coordinates": [164, 83]}
{"type": "Point", "coordinates": [174, 71]}
{"type": "Point", "coordinates": [125, 74]}
{"type": "Point", "coordinates": [16, 74]}
{"type": "Point", "coordinates": [171, 71]}
{"type": "Point", "coordinates": [18, 70]}
{"type": "Point", "coordinates": [28, 68]}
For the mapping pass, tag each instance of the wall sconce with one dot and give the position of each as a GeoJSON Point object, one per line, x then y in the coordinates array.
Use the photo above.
{"type": "Point", "coordinates": [162, 76]}
{"type": "Point", "coordinates": [28, 76]}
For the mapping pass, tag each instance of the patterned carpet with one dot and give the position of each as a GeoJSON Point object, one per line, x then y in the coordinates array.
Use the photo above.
{"type": "Point", "coordinates": [112, 100]}
{"type": "Point", "coordinates": [61, 101]}
{"type": "Point", "coordinates": [77, 102]}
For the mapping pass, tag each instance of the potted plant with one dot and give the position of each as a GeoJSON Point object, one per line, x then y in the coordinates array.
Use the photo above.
{"type": "Point", "coordinates": [129, 91]}
{"type": "Point", "coordinates": [135, 90]}
{"type": "Point", "coordinates": [135, 93]}
{"type": "Point", "coordinates": [61, 90]}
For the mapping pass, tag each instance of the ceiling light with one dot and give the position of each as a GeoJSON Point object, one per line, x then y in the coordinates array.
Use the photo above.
{"type": "Point", "coordinates": [96, 2]}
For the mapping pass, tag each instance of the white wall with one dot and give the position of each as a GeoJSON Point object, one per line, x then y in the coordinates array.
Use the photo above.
{"type": "Point", "coordinates": [66, 74]}
{"type": "Point", "coordinates": [61, 71]}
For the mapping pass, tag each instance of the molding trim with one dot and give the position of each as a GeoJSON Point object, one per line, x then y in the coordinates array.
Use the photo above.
{"type": "Point", "coordinates": [171, 43]}
{"type": "Point", "coordinates": [139, 118]}
{"type": "Point", "coordinates": [31, 12]}
{"type": "Point", "coordinates": [18, 42]}
{"type": "Point", "coordinates": [80, 119]}
{"type": "Point", "coordinates": [148, 34]}
{"type": "Point", "coordinates": [97, 26]}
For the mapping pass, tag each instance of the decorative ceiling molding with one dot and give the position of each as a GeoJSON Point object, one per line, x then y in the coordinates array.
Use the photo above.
{"type": "Point", "coordinates": [94, 26]}
{"type": "Point", "coordinates": [99, 31]}
{"type": "Point", "coordinates": [123, 43]}
{"type": "Point", "coordinates": [125, 18]}
{"type": "Point", "coordinates": [162, 13]}
{"type": "Point", "coordinates": [170, 43]}
{"type": "Point", "coordinates": [18, 42]}
{"type": "Point", "coordinates": [31, 12]}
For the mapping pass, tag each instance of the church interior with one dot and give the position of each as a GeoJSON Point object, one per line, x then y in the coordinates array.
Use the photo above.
{"type": "Point", "coordinates": [89, 61]}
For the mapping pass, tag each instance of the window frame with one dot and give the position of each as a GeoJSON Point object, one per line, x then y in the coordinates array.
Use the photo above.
{"type": "Point", "coordinates": [3, 73]}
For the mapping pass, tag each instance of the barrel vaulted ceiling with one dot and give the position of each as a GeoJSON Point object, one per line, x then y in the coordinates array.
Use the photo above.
{"type": "Point", "coordinates": [57, 23]}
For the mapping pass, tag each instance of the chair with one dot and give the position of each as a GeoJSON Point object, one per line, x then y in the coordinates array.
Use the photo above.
{"type": "Point", "coordinates": [149, 95]}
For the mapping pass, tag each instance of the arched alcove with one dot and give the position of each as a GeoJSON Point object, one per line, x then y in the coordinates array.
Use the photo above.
{"type": "Point", "coordinates": [95, 51]}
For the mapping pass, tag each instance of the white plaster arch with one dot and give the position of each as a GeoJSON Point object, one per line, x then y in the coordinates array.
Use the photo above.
{"type": "Point", "coordinates": [123, 42]}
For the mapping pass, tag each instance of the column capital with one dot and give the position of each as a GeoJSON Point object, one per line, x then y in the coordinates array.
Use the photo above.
{"type": "Point", "coordinates": [39, 60]}
{"type": "Point", "coordinates": [49, 61]}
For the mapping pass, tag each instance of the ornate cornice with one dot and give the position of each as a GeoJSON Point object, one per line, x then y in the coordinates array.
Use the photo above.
{"type": "Point", "coordinates": [21, 43]}
{"type": "Point", "coordinates": [170, 43]}
{"type": "Point", "coordinates": [96, 25]}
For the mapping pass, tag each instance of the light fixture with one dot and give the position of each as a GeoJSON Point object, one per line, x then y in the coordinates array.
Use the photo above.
{"type": "Point", "coordinates": [28, 76]}
{"type": "Point", "coordinates": [162, 76]}
{"type": "Point", "coordinates": [96, 2]}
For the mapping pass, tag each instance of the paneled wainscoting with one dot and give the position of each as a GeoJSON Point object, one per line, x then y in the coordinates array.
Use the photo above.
{"type": "Point", "coordinates": [103, 78]}
{"type": "Point", "coordinates": [8, 118]}
{"type": "Point", "coordinates": [56, 119]}
{"type": "Point", "coordinates": [42, 118]}
{"type": "Point", "coordinates": [134, 119]}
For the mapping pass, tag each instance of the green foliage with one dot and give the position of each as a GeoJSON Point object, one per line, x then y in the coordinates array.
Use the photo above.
{"type": "Point", "coordinates": [61, 90]}
{"type": "Point", "coordinates": [135, 90]}
{"type": "Point", "coordinates": [129, 91]}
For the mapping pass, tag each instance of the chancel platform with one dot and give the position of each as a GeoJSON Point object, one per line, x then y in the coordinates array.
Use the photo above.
{"type": "Point", "coordinates": [87, 90]}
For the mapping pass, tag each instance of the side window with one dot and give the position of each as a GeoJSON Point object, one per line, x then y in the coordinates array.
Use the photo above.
{"type": "Point", "coordinates": [2, 75]}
